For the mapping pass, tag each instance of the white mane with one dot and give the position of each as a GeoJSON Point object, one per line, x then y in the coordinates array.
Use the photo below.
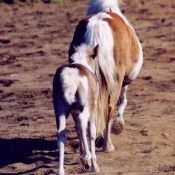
{"type": "Point", "coordinates": [97, 6]}
{"type": "Point", "coordinates": [81, 55]}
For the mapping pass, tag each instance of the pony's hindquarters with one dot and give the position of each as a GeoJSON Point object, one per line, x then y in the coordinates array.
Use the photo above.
{"type": "Point", "coordinates": [132, 57]}
{"type": "Point", "coordinates": [119, 60]}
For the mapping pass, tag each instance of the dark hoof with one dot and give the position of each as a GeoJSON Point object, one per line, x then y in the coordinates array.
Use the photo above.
{"type": "Point", "coordinates": [86, 164]}
{"type": "Point", "coordinates": [99, 142]}
{"type": "Point", "coordinates": [117, 127]}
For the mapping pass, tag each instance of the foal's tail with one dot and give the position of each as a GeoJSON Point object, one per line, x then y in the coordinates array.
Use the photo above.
{"type": "Point", "coordinates": [96, 6]}
{"type": "Point", "coordinates": [69, 83]}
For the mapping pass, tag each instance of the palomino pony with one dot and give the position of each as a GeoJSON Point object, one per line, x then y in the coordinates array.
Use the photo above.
{"type": "Point", "coordinates": [118, 62]}
{"type": "Point", "coordinates": [75, 91]}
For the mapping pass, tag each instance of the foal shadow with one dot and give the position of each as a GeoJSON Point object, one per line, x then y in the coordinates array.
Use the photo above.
{"type": "Point", "coordinates": [27, 151]}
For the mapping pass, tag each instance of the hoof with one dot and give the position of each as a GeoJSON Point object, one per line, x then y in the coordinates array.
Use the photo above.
{"type": "Point", "coordinates": [117, 127]}
{"type": "Point", "coordinates": [86, 164]}
{"type": "Point", "coordinates": [109, 148]}
{"type": "Point", "coordinates": [99, 142]}
{"type": "Point", "coordinates": [95, 169]}
{"type": "Point", "coordinates": [60, 173]}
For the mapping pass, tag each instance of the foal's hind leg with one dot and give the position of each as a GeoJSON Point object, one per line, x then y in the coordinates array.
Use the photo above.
{"type": "Point", "coordinates": [107, 145]}
{"type": "Point", "coordinates": [82, 125]}
{"type": "Point", "coordinates": [61, 139]}
{"type": "Point", "coordinates": [92, 136]}
{"type": "Point", "coordinates": [78, 132]}
{"type": "Point", "coordinates": [62, 112]}
{"type": "Point", "coordinates": [118, 123]}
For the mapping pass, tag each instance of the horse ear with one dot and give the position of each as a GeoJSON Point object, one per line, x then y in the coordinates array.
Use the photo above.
{"type": "Point", "coordinates": [95, 51]}
{"type": "Point", "coordinates": [75, 49]}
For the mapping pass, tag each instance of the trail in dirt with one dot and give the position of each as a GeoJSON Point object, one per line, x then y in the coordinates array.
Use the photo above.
{"type": "Point", "coordinates": [34, 41]}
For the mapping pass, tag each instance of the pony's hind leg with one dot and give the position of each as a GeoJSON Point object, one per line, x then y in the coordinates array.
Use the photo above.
{"type": "Point", "coordinates": [107, 145]}
{"type": "Point", "coordinates": [118, 123]}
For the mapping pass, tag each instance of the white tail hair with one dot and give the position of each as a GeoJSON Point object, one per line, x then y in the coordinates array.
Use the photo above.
{"type": "Point", "coordinates": [69, 82]}
{"type": "Point", "coordinates": [99, 32]}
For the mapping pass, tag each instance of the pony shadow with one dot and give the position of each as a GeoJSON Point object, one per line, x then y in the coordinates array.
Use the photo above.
{"type": "Point", "coordinates": [27, 151]}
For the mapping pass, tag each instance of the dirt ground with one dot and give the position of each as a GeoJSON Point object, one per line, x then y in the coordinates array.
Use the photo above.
{"type": "Point", "coordinates": [34, 41]}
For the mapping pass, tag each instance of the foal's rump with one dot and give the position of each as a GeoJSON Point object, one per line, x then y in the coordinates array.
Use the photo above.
{"type": "Point", "coordinates": [74, 86]}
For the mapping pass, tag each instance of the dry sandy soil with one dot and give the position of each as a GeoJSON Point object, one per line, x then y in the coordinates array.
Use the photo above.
{"type": "Point", "coordinates": [34, 41]}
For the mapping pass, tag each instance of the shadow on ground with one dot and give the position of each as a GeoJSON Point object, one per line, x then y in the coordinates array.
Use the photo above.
{"type": "Point", "coordinates": [27, 151]}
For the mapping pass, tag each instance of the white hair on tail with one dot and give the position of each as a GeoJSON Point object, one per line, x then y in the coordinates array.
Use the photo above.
{"type": "Point", "coordinates": [69, 83]}
{"type": "Point", "coordinates": [71, 80]}
{"type": "Point", "coordinates": [99, 32]}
